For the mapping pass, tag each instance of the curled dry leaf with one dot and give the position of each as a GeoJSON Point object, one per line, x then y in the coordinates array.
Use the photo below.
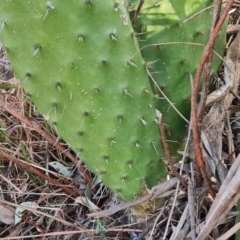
{"type": "Point", "coordinates": [65, 171]}
{"type": "Point", "coordinates": [82, 200]}
{"type": "Point", "coordinates": [19, 211]}
{"type": "Point", "coordinates": [7, 214]}
{"type": "Point", "coordinates": [86, 201]}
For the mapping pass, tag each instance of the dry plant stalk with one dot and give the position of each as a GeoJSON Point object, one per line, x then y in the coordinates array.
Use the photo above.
{"type": "Point", "coordinates": [213, 123]}
{"type": "Point", "coordinates": [194, 117]}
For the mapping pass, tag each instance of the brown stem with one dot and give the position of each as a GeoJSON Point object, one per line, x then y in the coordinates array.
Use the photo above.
{"type": "Point", "coordinates": [194, 117]}
{"type": "Point", "coordinates": [167, 153]}
{"type": "Point", "coordinates": [52, 140]}
{"type": "Point", "coordinates": [39, 174]}
{"type": "Point", "coordinates": [137, 12]}
{"type": "Point", "coordinates": [208, 64]}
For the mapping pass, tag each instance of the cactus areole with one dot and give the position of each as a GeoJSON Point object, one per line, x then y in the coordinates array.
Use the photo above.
{"type": "Point", "coordinates": [73, 59]}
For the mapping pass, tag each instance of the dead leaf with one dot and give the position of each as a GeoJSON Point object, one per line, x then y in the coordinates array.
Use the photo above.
{"type": "Point", "coordinates": [7, 214]}
{"type": "Point", "coordinates": [19, 211]}
{"type": "Point", "coordinates": [82, 200]}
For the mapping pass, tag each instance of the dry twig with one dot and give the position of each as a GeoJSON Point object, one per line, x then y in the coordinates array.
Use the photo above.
{"type": "Point", "coordinates": [167, 152]}
{"type": "Point", "coordinates": [194, 117]}
{"type": "Point", "coordinates": [35, 171]}
{"type": "Point", "coordinates": [51, 139]}
{"type": "Point", "coordinates": [156, 192]}
{"type": "Point", "coordinates": [228, 195]}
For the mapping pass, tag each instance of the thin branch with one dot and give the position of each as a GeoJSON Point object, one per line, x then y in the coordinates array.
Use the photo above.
{"type": "Point", "coordinates": [208, 64]}
{"type": "Point", "coordinates": [137, 12]}
{"type": "Point", "coordinates": [177, 188]}
{"type": "Point", "coordinates": [167, 153]}
{"type": "Point", "coordinates": [196, 138]}
{"type": "Point", "coordinates": [167, 99]}
{"type": "Point", "coordinates": [39, 174]}
{"type": "Point", "coordinates": [52, 140]}
{"type": "Point", "coordinates": [156, 192]}
{"type": "Point", "coordinates": [230, 232]}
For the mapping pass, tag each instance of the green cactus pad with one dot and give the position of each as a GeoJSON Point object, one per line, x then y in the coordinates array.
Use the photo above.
{"type": "Point", "coordinates": [173, 34]}
{"type": "Point", "coordinates": [72, 59]}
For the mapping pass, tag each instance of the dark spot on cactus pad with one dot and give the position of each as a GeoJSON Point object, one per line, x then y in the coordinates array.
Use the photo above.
{"type": "Point", "coordinates": [145, 90]}
{"type": "Point", "coordinates": [113, 37]}
{"type": "Point", "coordinates": [126, 92]}
{"type": "Point", "coordinates": [58, 85]}
{"type": "Point", "coordinates": [37, 49]}
{"type": "Point", "coordinates": [54, 104]}
{"type": "Point", "coordinates": [160, 46]}
{"type": "Point", "coordinates": [119, 118]}
{"type": "Point", "coordinates": [28, 75]}
{"type": "Point", "coordinates": [143, 122]}
{"type": "Point", "coordinates": [131, 63]}
{"type": "Point", "coordinates": [88, 2]}
{"type": "Point", "coordinates": [129, 163]}
{"type": "Point", "coordinates": [184, 62]}
{"type": "Point", "coordinates": [153, 142]}
{"type": "Point", "coordinates": [158, 5]}
{"type": "Point", "coordinates": [80, 37]}
{"type": "Point", "coordinates": [124, 177]}
{"type": "Point", "coordinates": [70, 64]}
{"type": "Point", "coordinates": [116, 5]}
{"type": "Point", "coordinates": [102, 172]}
{"type": "Point", "coordinates": [37, 46]}
{"type": "Point", "coordinates": [151, 164]}
{"type": "Point", "coordinates": [96, 90]}
{"type": "Point", "coordinates": [118, 190]}
{"type": "Point", "coordinates": [179, 24]}
{"type": "Point", "coordinates": [136, 143]}
{"type": "Point", "coordinates": [80, 134]}
{"type": "Point", "coordinates": [85, 114]}
{"type": "Point", "coordinates": [163, 88]}
{"type": "Point", "coordinates": [104, 62]}
{"type": "Point", "coordinates": [186, 100]}
{"type": "Point", "coordinates": [111, 141]}
{"type": "Point", "coordinates": [105, 158]}
{"type": "Point", "coordinates": [199, 33]}
{"type": "Point", "coordinates": [49, 6]}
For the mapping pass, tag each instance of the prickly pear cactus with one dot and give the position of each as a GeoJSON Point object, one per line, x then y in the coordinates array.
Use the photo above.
{"type": "Point", "coordinates": [72, 57]}
{"type": "Point", "coordinates": [177, 31]}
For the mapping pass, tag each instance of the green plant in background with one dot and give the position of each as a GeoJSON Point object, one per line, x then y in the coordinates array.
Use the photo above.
{"type": "Point", "coordinates": [173, 34]}
{"type": "Point", "coordinates": [74, 59]}
{"type": "Point", "coordinates": [99, 226]}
